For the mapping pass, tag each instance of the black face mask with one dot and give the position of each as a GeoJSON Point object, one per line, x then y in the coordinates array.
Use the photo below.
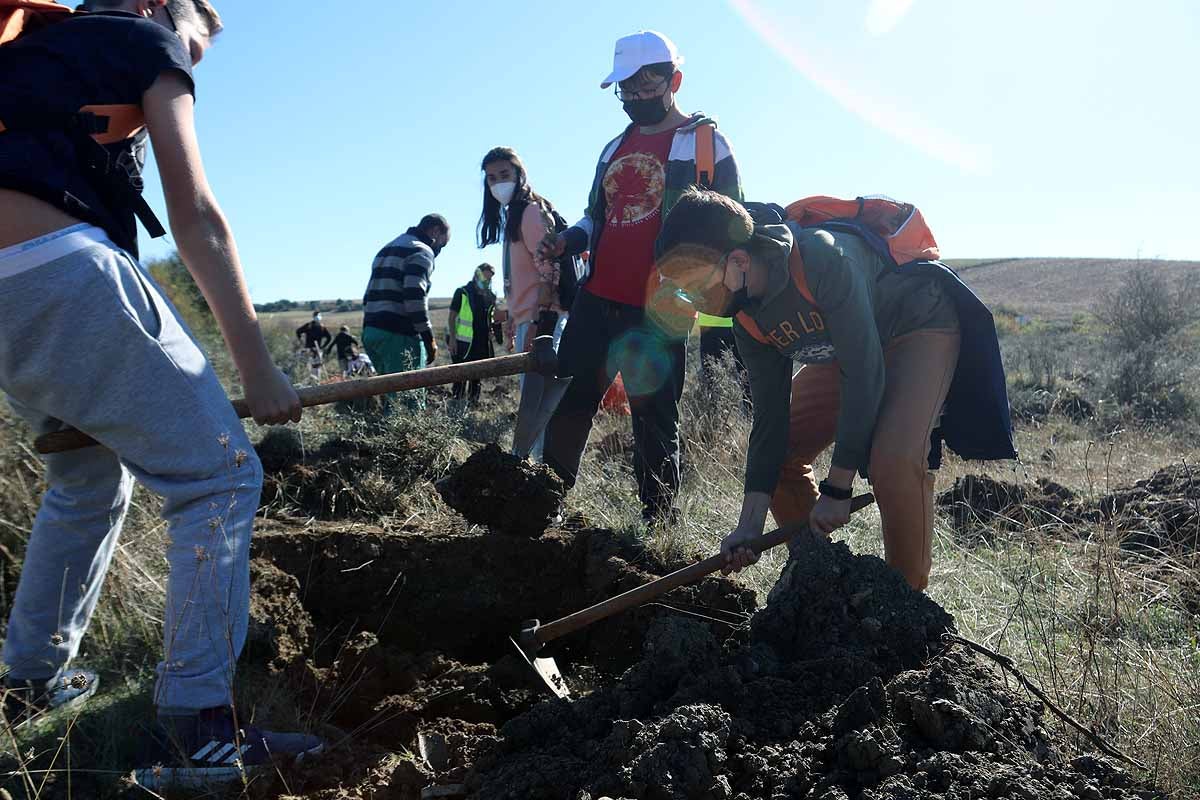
{"type": "Point", "coordinates": [737, 301]}
{"type": "Point", "coordinates": [437, 248]}
{"type": "Point", "coordinates": [648, 111]}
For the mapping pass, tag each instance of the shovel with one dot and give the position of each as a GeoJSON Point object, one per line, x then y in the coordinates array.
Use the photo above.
{"type": "Point", "coordinates": [71, 439]}
{"type": "Point", "coordinates": [534, 636]}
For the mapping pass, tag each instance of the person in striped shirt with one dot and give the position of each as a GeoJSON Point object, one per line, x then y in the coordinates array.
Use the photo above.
{"type": "Point", "coordinates": [396, 330]}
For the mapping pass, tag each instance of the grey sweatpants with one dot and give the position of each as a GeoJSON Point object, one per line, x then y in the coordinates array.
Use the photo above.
{"type": "Point", "coordinates": [87, 340]}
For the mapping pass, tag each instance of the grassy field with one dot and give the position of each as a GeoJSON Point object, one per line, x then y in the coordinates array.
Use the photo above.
{"type": "Point", "coordinates": [1111, 634]}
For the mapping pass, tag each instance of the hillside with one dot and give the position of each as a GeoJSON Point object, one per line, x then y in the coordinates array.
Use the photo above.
{"type": "Point", "coordinates": [1055, 287]}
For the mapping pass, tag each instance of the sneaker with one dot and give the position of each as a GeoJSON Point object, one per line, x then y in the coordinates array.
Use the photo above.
{"type": "Point", "coordinates": [207, 750]}
{"type": "Point", "coordinates": [28, 700]}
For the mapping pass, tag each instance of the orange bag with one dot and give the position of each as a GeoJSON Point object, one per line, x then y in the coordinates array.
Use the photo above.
{"type": "Point", "coordinates": [892, 227]}
{"type": "Point", "coordinates": [18, 17]}
{"type": "Point", "coordinates": [615, 400]}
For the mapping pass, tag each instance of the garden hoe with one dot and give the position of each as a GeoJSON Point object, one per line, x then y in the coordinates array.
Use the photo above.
{"type": "Point", "coordinates": [541, 358]}
{"type": "Point", "coordinates": [534, 636]}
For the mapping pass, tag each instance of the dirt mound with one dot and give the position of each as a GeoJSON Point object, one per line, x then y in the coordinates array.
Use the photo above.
{"type": "Point", "coordinates": [865, 710]}
{"type": "Point", "coordinates": [359, 478]}
{"type": "Point", "coordinates": [977, 501]}
{"type": "Point", "coordinates": [507, 494]}
{"type": "Point", "coordinates": [1159, 513]}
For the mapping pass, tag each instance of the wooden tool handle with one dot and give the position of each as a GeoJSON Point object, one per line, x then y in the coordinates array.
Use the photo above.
{"type": "Point", "coordinates": [655, 588]}
{"type": "Point", "coordinates": [71, 439]}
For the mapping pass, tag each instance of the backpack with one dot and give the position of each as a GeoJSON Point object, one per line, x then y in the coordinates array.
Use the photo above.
{"type": "Point", "coordinates": [895, 230]}
{"type": "Point", "coordinates": [18, 17]}
{"type": "Point", "coordinates": [89, 128]}
{"type": "Point", "coordinates": [571, 269]}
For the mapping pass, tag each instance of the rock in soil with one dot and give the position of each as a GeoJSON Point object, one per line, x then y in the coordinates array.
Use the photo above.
{"type": "Point", "coordinates": [843, 690]}
{"type": "Point", "coordinates": [507, 494]}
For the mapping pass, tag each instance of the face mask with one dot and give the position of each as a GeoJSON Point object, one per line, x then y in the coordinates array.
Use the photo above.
{"type": "Point", "coordinates": [503, 192]}
{"type": "Point", "coordinates": [437, 247]}
{"type": "Point", "coordinates": [650, 111]}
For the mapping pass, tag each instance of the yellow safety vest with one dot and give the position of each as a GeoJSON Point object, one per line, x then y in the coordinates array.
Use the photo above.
{"type": "Point", "coordinates": [465, 329]}
{"type": "Point", "coordinates": [709, 321]}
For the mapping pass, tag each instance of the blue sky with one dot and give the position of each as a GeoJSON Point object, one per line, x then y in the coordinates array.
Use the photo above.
{"type": "Point", "coordinates": [1022, 128]}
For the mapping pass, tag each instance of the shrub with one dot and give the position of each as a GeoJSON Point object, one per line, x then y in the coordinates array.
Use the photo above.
{"type": "Point", "coordinates": [1147, 309]}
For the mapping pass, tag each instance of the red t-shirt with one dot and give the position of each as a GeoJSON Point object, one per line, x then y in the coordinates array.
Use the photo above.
{"type": "Point", "coordinates": [633, 190]}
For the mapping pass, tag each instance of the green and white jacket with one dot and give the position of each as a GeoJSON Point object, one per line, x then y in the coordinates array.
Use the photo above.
{"type": "Point", "coordinates": [680, 174]}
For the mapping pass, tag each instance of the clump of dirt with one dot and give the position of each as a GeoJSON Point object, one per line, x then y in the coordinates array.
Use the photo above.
{"type": "Point", "coordinates": [1161, 512]}
{"type": "Point", "coordinates": [830, 603]}
{"type": "Point", "coordinates": [280, 630]}
{"type": "Point", "coordinates": [507, 494]}
{"type": "Point", "coordinates": [977, 501]}
{"type": "Point", "coordinates": [818, 703]}
{"type": "Point", "coordinates": [344, 478]}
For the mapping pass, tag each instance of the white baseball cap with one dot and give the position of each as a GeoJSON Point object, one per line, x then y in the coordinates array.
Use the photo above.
{"type": "Point", "coordinates": [636, 51]}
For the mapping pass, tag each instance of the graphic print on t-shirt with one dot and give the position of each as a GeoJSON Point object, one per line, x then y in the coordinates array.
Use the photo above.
{"type": "Point", "coordinates": [633, 188]}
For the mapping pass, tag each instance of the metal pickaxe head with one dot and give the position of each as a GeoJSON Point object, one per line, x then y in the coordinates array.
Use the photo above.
{"type": "Point", "coordinates": [528, 645]}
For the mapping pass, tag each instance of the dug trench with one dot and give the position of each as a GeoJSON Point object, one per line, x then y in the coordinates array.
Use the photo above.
{"type": "Point", "coordinates": [842, 687]}
{"type": "Point", "coordinates": [396, 638]}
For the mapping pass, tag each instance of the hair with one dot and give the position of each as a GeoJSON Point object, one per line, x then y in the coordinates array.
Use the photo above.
{"type": "Point", "coordinates": [488, 230]}
{"type": "Point", "coordinates": [433, 222]}
{"type": "Point", "coordinates": [706, 218]}
{"type": "Point", "coordinates": [486, 265]}
{"type": "Point", "coordinates": [199, 13]}
{"type": "Point", "coordinates": [661, 69]}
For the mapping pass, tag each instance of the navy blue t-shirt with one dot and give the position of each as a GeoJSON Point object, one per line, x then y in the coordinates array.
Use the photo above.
{"type": "Point", "coordinates": [106, 58]}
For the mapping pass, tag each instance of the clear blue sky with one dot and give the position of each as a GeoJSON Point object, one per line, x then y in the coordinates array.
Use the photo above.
{"type": "Point", "coordinates": [1022, 128]}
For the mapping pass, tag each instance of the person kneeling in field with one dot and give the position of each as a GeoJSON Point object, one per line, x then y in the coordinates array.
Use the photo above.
{"type": "Point", "coordinates": [885, 341]}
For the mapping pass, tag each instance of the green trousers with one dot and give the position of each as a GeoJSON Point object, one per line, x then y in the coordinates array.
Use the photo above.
{"type": "Point", "coordinates": [396, 352]}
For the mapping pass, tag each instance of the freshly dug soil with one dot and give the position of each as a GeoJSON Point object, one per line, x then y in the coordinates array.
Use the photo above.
{"type": "Point", "coordinates": [507, 494]}
{"type": "Point", "coordinates": [1159, 513]}
{"type": "Point", "coordinates": [977, 501]}
{"type": "Point", "coordinates": [408, 632]}
{"type": "Point", "coordinates": [844, 690]}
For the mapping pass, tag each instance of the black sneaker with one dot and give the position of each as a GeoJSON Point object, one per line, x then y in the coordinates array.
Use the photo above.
{"type": "Point", "coordinates": [207, 750]}
{"type": "Point", "coordinates": [26, 701]}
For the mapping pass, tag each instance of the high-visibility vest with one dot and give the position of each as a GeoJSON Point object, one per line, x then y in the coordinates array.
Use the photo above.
{"type": "Point", "coordinates": [464, 331]}
{"type": "Point", "coordinates": [709, 321]}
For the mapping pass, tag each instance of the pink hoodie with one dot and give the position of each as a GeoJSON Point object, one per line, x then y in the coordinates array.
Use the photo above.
{"type": "Point", "coordinates": [530, 287]}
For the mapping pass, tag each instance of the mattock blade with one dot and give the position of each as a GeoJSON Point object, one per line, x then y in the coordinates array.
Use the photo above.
{"type": "Point", "coordinates": [547, 670]}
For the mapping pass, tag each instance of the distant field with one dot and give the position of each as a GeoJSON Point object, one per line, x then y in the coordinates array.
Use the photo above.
{"type": "Point", "coordinates": [334, 319]}
{"type": "Point", "coordinates": [1055, 287]}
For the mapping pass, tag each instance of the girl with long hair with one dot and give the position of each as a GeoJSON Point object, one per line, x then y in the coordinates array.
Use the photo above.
{"type": "Point", "coordinates": [518, 219]}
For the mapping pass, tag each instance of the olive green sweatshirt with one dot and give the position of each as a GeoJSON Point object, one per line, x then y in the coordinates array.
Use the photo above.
{"type": "Point", "coordinates": [862, 304]}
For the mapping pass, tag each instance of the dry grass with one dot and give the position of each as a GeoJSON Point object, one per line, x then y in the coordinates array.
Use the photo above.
{"type": "Point", "coordinates": [1107, 634]}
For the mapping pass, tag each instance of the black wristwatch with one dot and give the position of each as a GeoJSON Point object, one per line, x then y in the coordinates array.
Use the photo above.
{"type": "Point", "coordinates": [829, 490]}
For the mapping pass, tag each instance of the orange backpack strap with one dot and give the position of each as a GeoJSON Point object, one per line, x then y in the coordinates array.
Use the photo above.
{"type": "Point", "coordinates": [706, 164]}
{"type": "Point", "coordinates": [21, 16]}
{"type": "Point", "coordinates": [751, 327]}
{"type": "Point", "coordinates": [800, 279]}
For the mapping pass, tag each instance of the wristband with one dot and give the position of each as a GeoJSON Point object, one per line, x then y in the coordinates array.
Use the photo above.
{"type": "Point", "coordinates": [829, 490]}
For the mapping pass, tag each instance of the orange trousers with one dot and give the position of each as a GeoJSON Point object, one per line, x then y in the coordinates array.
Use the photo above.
{"type": "Point", "coordinates": [920, 366]}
